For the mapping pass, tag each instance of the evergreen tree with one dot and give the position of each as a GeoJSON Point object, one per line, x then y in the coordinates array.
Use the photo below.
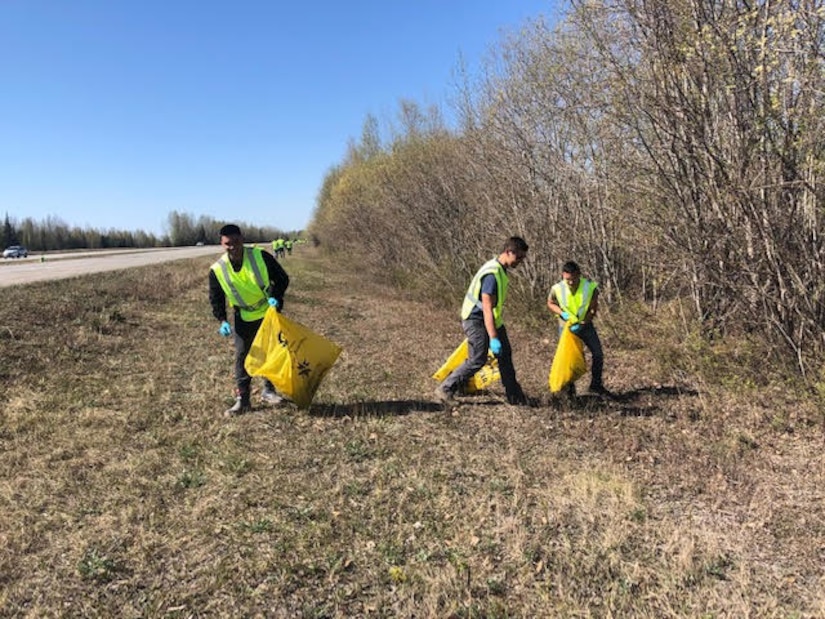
{"type": "Point", "coordinates": [9, 234]}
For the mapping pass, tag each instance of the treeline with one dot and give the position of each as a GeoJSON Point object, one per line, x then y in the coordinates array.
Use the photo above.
{"type": "Point", "coordinates": [53, 234]}
{"type": "Point", "coordinates": [674, 149]}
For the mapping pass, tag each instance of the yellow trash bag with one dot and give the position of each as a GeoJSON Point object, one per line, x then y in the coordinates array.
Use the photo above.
{"type": "Point", "coordinates": [486, 376]}
{"type": "Point", "coordinates": [291, 356]}
{"type": "Point", "coordinates": [568, 362]}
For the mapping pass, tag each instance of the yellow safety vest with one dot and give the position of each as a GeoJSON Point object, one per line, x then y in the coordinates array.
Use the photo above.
{"type": "Point", "coordinates": [575, 304]}
{"type": "Point", "coordinates": [473, 297]}
{"type": "Point", "coordinates": [245, 289]}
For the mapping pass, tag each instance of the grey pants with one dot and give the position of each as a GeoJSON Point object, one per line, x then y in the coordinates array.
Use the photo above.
{"type": "Point", "coordinates": [245, 333]}
{"type": "Point", "coordinates": [478, 343]}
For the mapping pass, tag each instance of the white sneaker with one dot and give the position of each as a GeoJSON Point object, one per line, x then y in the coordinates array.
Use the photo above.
{"type": "Point", "coordinates": [270, 397]}
{"type": "Point", "coordinates": [239, 408]}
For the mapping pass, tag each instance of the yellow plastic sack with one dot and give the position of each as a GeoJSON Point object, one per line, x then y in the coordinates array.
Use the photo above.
{"type": "Point", "coordinates": [290, 355]}
{"type": "Point", "coordinates": [568, 362]}
{"type": "Point", "coordinates": [479, 381]}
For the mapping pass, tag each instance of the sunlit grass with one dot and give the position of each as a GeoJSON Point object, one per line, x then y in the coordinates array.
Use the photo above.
{"type": "Point", "coordinates": [125, 492]}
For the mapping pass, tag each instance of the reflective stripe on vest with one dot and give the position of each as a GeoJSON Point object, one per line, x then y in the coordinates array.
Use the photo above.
{"type": "Point", "coordinates": [245, 289]}
{"type": "Point", "coordinates": [576, 303]}
{"type": "Point", "coordinates": [473, 297]}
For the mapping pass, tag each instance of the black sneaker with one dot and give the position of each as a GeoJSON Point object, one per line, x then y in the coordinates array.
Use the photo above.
{"type": "Point", "coordinates": [600, 390]}
{"type": "Point", "coordinates": [521, 400]}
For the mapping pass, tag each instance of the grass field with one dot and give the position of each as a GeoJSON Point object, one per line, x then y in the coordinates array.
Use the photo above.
{"type": "Point", "coordinates": [124, 492]}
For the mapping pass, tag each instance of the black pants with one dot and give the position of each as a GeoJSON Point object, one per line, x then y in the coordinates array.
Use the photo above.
{"type": "Point", "coordinates": [588, 334]}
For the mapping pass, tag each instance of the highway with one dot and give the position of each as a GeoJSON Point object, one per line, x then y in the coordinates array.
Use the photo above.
{"type": "Point", "coordinates": [41, 267]}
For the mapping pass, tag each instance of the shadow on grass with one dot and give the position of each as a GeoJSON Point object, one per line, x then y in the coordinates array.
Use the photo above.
{"type": "Point", "coordinates": [641, 402]}
{"type": "Point", "coordinates": [375, 409]}
{"type": "Point", "coordinates": [660, 391]}
{"type": "Point", "coordinates": [628, 401]}
{"type": "Point", "coordinates": [624, 403]}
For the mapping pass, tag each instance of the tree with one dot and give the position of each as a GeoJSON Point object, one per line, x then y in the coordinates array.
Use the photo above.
{"type": "Point", "coordinates": [9, 234]}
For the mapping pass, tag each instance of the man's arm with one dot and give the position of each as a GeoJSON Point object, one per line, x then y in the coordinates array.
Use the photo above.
{"type": "Point", "coordinates": [553, 305]}
{"type": "Point", "coordinates": [593, 308]}
{"type": "Point", "coordinates": [217, 298]}
{"type": "Point", "coordinates": [489, 297]}
{"type": "Point", "coordinates": [487, 303]}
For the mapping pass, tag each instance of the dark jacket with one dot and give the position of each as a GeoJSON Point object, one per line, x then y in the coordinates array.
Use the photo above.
{"type": "Point", "coordinates": [278, 283]}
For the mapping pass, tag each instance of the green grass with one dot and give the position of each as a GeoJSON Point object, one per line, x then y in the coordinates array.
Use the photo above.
{"type": "Point", "coordinates": [125, 492]}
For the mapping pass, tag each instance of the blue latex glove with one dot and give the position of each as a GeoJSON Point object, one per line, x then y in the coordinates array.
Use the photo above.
{"type": "Point", "coordinates": [565, 316]}
{"type": "Point", "coordinates": [226, 329]}
{"type": "Point", "coordinates": [495, 346]}
{"type": "Point", "coordinates": [576, 327]}
{"type": "Point", "coordinates": [273, 302]}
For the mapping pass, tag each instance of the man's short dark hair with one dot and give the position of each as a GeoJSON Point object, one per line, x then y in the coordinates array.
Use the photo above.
{"type": "Point", "coordinates": [515, 244]}
{"type": "Point", "coordinates": [570, 267]}
{"type": "Point", "coordinates": [230, 230]}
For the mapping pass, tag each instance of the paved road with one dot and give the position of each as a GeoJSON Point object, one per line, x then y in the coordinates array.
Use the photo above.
{"type": "Point", "coordinates": [63, 265]}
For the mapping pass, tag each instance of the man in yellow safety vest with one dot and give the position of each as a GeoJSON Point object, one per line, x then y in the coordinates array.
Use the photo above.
{"type": "Point", "coordinates": [278, 247]}
{"type": "Point", "coordinates": [575, 300]}
{"type": "Point", "coordinates": [483, 324]}
{"type": "Point", "coordinates": [252, 281]}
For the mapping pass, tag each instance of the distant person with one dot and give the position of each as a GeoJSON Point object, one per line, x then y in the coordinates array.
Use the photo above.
{"type": "Point", "coordinates": [575, 300]}
{"type": "Point", "coordinates": [252, 281]}
{"type": "Point", "coordinates": [278, 247]}
{"type": "Point", "coordinates": [288, 245]}
{"type": "Point", "coordinates": [483, 324]}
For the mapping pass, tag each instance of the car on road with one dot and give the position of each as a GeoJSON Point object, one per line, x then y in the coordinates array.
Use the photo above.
{"type": "Point", "coordinates": [15, 251]}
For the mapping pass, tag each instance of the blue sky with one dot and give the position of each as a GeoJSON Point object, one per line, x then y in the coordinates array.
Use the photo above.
{"type": "Point", "coordinates": [114, 113]}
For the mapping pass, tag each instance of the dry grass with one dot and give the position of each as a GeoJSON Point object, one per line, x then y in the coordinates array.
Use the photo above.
{"type": "Point", "coordinates": [123, 492]}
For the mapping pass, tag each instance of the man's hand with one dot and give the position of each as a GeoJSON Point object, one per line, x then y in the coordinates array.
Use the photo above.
{"type": "Point", "coordinates": [565, 316]}
{"type": "Point", "coordinates": [273, 302]}
{"type": "Point", "coordinates": [576, 327]}
{"type": "Point", "coordinates": [226, 329]}
{"type": "Point", "coordinates": [495, 346]}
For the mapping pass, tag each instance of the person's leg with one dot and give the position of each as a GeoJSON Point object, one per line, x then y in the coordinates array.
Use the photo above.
{"type": "Point", "coordinates": [243, 380]}
{"type": "Point", "coordinates": [245, 333]}
{"type": "Point", "coordinates": [269, 395]}
{"type": "Point", "coordinates": [477, 345]}
{"type": "Point", "coordinates": [512, 389]}
{"type": "Point", "coordinates": [590, 337]}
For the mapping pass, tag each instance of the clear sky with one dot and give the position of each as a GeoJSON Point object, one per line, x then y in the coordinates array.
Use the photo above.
{"type": "Point", "coordinates": [114, 113]}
